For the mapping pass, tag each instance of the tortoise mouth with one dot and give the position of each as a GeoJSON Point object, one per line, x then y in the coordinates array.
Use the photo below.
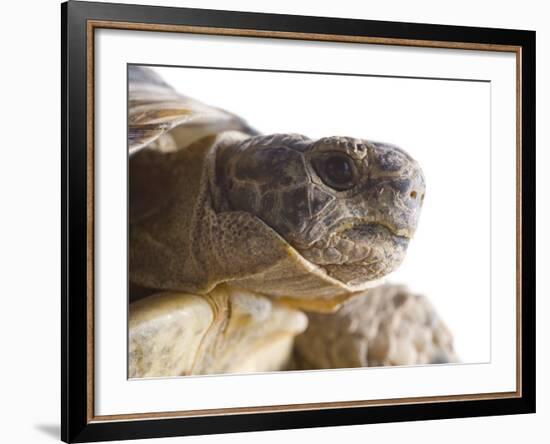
{"type": "Point", "coordinates": [369, 230]}
{"type": "Point", "coordinates": [359, 253]}
{"type": "Point", "coordinates": [367, 227]}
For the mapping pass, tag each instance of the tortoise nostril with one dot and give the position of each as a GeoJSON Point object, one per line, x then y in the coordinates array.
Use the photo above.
{"type": "Point", "coordinates": [413, 194]}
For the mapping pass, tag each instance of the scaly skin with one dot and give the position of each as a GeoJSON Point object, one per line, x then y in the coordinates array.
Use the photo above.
{"type": "Point", "coordinates": [388, 325]}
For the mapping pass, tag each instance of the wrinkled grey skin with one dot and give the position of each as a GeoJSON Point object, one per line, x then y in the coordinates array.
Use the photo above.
{"type": "Point", "coordinates": [347, 205]}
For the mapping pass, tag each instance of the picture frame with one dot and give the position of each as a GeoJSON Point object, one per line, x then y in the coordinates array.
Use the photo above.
{"type": "Point", "coordinates": [80, 379]}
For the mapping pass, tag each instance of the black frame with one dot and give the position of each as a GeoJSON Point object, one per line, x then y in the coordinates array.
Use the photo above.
{"type": "Point", "coordinates": [75, 424]}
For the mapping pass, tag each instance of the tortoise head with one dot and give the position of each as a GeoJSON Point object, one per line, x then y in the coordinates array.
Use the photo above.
{"type": "Point", "coordinates": [347, 205]}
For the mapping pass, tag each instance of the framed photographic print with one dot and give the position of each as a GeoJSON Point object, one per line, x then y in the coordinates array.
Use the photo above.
{"type": "Point", "coordinates": [275, 221]}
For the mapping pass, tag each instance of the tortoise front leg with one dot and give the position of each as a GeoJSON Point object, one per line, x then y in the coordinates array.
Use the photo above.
{"type": "Point", "coordinates": [387, 325]}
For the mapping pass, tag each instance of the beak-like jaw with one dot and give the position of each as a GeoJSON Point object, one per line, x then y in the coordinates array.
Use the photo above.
{"type": "Point", "coordinates": [361, 253]}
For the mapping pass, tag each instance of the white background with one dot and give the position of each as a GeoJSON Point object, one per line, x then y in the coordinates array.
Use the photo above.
{"type": "Point", "coordinates": [443, 124]}
{"type": "Point", "coordinates": [29, 235]}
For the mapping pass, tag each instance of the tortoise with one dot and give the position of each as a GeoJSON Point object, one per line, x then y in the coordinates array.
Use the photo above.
{"type": "Point", "coordinates": [235, 236]}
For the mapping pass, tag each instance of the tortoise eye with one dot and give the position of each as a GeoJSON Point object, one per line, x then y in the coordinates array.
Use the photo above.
{"type": "Point", "coordinates": [337, 171]}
